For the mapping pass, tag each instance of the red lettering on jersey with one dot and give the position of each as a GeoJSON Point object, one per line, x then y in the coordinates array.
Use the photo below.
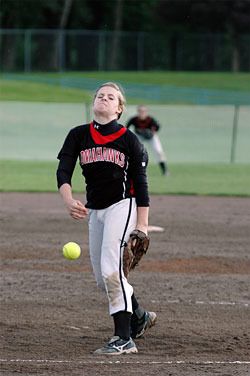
{"type": "Point", "coordinates": [122, 160]}
{"type": "Point", "coordinates": [94, 157]}
{"type": "Point", "coordinates": [85, 156]}
{"type": "Point", "coordinates": [110, 155]}
{"type": "Point", "coordinates": [100, 154]}
{"type": "Point", "coordinates": [90, 156]}
{"type": "Point", "coordinates": [82, 154]}
{"type": "Point", "coordinates": [117, 157]}
{"type": "Point", "coordinates": [104, 154]}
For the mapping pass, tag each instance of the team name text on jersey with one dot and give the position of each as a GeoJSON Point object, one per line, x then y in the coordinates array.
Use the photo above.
{"type": "Point", "coordinates": [102, 154]}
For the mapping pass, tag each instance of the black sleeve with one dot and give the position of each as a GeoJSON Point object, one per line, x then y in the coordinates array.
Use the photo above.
{"type": "Point", "coordinates": [130, 122]}
{"type": "Point", "coordinates": [67, 157]}
{"type": "Point", "coordinates": [137, 170]}
{"type": "Point", "coordinates": [154, 125]}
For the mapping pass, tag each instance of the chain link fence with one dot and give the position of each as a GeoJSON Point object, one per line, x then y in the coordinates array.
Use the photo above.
{"type": "Point", "coordinates": [71, 50]}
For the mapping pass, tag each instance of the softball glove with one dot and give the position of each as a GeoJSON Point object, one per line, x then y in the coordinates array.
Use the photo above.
{"type": "Point", "coordinates": [134, 249]}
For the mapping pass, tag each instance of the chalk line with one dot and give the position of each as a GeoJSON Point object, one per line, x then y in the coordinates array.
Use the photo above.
{"type": "Point", "coordinates": [166, 362]}
{"type": "Point", "coordinates": [204, 302]}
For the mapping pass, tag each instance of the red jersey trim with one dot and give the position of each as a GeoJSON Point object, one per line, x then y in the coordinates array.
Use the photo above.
{"type": "Point", "coordinates": [100, 139]}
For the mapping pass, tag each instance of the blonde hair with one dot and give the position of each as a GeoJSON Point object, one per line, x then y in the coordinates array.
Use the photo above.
{"type": "Point", "coordinates": [121, 95]}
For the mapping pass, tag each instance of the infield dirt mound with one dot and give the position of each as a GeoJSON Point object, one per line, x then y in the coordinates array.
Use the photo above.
{"type": "Point", "coordinates": [196, 276]}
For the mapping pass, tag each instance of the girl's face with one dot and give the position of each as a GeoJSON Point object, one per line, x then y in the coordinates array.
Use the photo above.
{"type": "Point", "coordinates": [106, 102]}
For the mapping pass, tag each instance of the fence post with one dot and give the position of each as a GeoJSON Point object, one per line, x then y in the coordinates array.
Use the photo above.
{"type": "Point", "coordinates": [234, 132]}
{"type": "Point", "coordinates": [27, 50]}
{"type": "Point", "coordinates": [140, 51]}
{"type": "Point", "coordinates": [101, 50]}
{"type": "Point", "coordinates": [61, 51]}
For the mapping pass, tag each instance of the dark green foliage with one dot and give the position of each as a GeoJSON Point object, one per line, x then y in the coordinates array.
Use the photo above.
{"type": "Point", "coordinates": [137, 15]}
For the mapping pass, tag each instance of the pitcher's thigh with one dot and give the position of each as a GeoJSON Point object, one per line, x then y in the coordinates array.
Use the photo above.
{"type": "Point", "coordinates": [95, 247]}
{"type": "Point", "coordinates": [120, 221]}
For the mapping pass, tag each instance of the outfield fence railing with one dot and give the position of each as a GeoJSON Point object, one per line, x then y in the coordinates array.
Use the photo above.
{"type": "Point", "coordinates": [29, 50]}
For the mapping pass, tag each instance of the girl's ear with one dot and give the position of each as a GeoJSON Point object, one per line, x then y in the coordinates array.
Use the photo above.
{"type": "Point", "coordinates": [119, 109]}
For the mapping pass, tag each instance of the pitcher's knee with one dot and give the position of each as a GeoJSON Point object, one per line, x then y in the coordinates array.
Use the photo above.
{"type": "Point", "coordinates": [113, 285]}
{"type": "Point", "coordinates": [111, 280]}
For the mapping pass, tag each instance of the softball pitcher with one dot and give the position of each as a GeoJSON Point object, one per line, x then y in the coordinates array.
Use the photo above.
{"type": "Point", "coordinates": [146, 128]}
{"type": "Point", "coordinates": [113, 163]}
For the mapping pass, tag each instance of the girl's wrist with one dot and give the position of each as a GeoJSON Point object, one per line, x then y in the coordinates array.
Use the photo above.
{"type": "Point", "coordinates": [142, 227]}
{"type": "Point", "coordinates": [68, 200]}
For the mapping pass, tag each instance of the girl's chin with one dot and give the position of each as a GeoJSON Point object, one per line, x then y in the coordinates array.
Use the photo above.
{"type": "Point", "coordinates": [102, 105]}
{"type": "Point", "coordinates": [101, 109]}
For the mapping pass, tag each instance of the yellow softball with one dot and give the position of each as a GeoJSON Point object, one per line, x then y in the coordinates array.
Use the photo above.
{"type": "Point", "coordinates": [71, 251]}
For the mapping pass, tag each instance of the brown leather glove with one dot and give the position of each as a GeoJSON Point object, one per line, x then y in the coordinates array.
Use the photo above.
{"type": "Point", "coordinates": [134, 249]}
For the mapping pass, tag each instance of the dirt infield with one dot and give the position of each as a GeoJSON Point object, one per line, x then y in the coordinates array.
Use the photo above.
{"type": "Point", "coordinates": [196, 277]}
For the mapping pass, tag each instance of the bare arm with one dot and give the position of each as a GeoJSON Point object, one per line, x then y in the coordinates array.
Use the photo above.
{"type": "Point", "coordinates": [75, 207]}
{"type": "Point", "coordinates": [142, 218]}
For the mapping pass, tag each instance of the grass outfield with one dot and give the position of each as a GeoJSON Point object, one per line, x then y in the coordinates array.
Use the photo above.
{"type": "Point", "coordinates": [194, 179]}
{"type": "Point", "coordinates": [42, 92]}
{"type": "Point", "coordinates": [204, 80]}
{"type": "Point", "coordinates": [190, 134]}
{"type": "Point", "coordinates": [39, 92]}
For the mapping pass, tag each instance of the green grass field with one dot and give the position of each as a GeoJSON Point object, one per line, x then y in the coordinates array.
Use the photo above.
{"type": "Point", "coordinates": [204, 80]}
{"type": "Point", "coordinates": [194, 134]}
{"type": "Point", "coordinates": [194, 179]}
{"type": "Point", "coordinates": [36, 91]}
{"type": "Point", "coordinates": [200, 136]}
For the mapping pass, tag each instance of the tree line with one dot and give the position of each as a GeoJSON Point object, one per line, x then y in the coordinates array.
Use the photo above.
{"type": "Point", "coordinates": [175, 17]}
{"type": "Point", "coordinates": [131, 15]}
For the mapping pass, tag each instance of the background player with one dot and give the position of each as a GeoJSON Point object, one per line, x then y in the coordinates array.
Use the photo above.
{"type": "Point", "coordinates": [113, 162]}
{"type": "Point", "coordinates": [146, 127]}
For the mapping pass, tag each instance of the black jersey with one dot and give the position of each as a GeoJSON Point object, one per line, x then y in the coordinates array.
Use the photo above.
{"type": "Point", "coordinates": [147, 123]}
{"type": "Point", "coordinates": [113, 162]}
